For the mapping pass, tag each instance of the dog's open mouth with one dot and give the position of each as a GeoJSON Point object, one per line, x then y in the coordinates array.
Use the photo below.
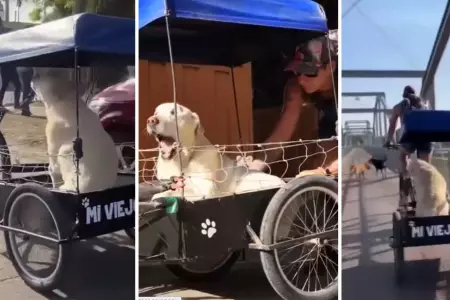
{"type": "Point", "coordinates": [167, 146]}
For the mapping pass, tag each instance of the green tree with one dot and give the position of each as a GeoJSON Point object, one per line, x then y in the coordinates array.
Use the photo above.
{"type": "Point", "coordinates": [60, 9]}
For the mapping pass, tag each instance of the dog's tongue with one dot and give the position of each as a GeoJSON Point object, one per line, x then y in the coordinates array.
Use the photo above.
{"type": "Point", "coordinates": [166, 146]}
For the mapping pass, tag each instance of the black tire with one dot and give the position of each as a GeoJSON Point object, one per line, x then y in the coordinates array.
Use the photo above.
{"type": "Point", "coordinates": [130, 232]}
{"type": "Point", "coordinates": [5, 157]}
{"type": "Point", "coordinates": [124, 137]}
{"type": "Point", "coordinates": [59, 218]}
{"type": "Point", "coordinates": [399, 250]}
{"type": "Point", "coordinates": [269, 260]}
{"type": "Point", "coordinates": [217, 271]}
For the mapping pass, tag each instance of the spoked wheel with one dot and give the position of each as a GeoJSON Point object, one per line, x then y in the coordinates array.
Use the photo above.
{"type": "Point", "coordinates": [204, 269]}
{"type": "Point", "coordinates": [39, 262]}
{"type": "Point", "coordinates": [308, 270]}
{"type": "Point", "coordinates": [125, 148]}
{"type": "Point", "coordinates": [126, 157]}
{"type": "Point", "coordinates": [397, 246]}
{"type": "Point", "coordinates": [5, 158]}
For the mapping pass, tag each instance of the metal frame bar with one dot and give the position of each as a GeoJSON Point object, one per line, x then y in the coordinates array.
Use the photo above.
{"type": "Point", "coordinates": [383, 73]}
{"type": "Point", "coordinates": [437, 52]}
{"type": "Point", "coordinates": [364, 94]}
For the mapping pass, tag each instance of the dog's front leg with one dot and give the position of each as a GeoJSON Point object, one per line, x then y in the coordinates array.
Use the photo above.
{"type": "Point", "coordinates": [53, 145]}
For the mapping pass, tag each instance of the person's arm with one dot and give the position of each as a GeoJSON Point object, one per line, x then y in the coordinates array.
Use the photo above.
{"type": "Point", "coordinates": [286, 125]}
{"type": "Point", "coordinates": [393, 123]}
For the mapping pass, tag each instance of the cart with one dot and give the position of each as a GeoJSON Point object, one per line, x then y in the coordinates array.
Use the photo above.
{"type": "Point", "coordinates": [176, 232]}
{"type": "Point", "coordinates": [32, 212]}
{"type": "Point", "coordinates": [408, 230]}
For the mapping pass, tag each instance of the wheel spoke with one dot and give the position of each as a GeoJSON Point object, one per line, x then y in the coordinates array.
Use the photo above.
{"type": "Point", "coordinates": [311, 257]}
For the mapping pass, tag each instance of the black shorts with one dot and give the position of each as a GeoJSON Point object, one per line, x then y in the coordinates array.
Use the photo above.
{"type": "Point", "coordinates": [421, 148]}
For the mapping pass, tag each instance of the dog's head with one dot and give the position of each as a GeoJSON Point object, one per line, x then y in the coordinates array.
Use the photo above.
{"type": "Point", "coordinates": [163, 126]}
{"type": "Point", "coordinates": [57, 85]}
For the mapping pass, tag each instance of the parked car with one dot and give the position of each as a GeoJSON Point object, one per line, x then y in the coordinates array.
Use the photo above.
{"type": "Point", "coordinates": [115, 108]}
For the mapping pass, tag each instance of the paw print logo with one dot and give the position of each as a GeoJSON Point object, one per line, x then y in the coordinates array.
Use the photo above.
{"type": "Point", "coordinates": [209, 228]}
{"type": "Point", "coordinates": [411, 223]}
{"type": "Point", "coordinates": [85, 202]}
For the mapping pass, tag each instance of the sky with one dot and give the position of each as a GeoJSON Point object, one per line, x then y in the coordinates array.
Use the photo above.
{"type": "Point", "coordinates": [389, 35]}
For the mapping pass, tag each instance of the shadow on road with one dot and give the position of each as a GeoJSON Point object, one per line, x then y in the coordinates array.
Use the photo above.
{"type": "Point", "coordinates": [245, 281]}
{"type": "Point", "coordinates": [100, 268]}
{"type": "Point", "coordinates": [376, 281]}
{"type": "Point", "coordinates": [368, 268]}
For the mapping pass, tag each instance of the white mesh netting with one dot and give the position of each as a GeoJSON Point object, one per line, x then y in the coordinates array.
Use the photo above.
{"type": "Point", "coordinates": [220, 170]}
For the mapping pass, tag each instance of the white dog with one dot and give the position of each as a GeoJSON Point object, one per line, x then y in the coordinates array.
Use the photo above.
{"type": "Point", "coordinates": [430, 187]}
{"type": "Point", "coordinates": [208, 172]}
{"type": "Point", "coordinates": [99, 165]}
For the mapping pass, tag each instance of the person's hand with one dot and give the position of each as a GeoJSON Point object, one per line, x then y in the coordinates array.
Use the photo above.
{"type": "Point", "coordinates": [318, 171]}
{"type": "Point", "coordinates": [387, 143]}
{"type": "Point", "coordinates": [251, 164]}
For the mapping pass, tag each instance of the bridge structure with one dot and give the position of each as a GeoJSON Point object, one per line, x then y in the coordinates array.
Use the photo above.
{"type": "Point", "coordinates": [367, 205]}
{"type": "Point", "coordinates": [375, 131]}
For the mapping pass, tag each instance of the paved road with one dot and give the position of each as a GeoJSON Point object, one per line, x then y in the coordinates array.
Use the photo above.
{"type": "Point", "coordinates": [367, 259]}
{"type": "Point", "coordinates": [101, 268]}
{"type": "Point", "coordinates": [246, 281]}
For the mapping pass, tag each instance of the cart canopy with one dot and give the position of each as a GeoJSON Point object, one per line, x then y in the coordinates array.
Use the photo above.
{"type": "Point", "coordinates": [226, 32]}
{"type": "Point", "coordinates": [97, 39]}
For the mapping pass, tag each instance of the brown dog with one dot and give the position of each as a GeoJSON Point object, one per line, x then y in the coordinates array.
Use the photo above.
{"type": "Point", "coordinates": [359, 169]}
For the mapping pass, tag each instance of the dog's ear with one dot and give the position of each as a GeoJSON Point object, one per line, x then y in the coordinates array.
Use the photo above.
{"type": "Point", "coordinates": [199, 128]}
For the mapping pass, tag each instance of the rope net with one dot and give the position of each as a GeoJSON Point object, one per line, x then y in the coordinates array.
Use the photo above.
{"type": "Point", "coordinates": [221, 170]}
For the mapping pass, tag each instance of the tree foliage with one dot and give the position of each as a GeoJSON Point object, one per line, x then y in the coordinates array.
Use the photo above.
{"type": "Point", "coordinates": [63, 8]}
{"type": "Point", "coordinates": [104, 76]}
{"type": "Point", "coordinates": [60, 9]}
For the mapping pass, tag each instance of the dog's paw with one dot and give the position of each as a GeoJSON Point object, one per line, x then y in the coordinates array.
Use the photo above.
{"type": "Point", "coordinates": [177, 183]}
{"type": "Point", "coordinates": [209, 228]}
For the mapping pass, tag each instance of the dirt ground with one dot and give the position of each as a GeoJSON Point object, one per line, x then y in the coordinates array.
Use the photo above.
{"type": "Point", "coordinates": [26, 135]}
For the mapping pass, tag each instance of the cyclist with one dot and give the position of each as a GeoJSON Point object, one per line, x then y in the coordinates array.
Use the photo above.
{"type": "Point", "coordinates": [314, 81]}
{"type": "Point", "coordinates": [410, 102]}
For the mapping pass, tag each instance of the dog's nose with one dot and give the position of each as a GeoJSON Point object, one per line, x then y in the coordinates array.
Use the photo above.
{"type": "Point", "coordinates": [153, 120]}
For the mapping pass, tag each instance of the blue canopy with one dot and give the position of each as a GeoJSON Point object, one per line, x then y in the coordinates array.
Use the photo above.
{"type": "Point", "coordinates": [96, 38]}
{"type": "Point", "coordinates": [226, 32]}
{"type": "Point", "coordinates": [294, 14]}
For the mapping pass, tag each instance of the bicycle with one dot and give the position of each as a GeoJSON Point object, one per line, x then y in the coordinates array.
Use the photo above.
{"type": "Point", "coordinates": [407, 202]}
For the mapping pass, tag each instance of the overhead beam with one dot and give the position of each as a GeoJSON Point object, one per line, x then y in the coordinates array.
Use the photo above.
{"type": "Point", "coordinates": [440, 43]}
{"type": "Point", "coordinates": [364, 94]}
{"type": "Point", "coordinates": [382, 74]}
{"type": "Point", "coordinates": [364, 110]}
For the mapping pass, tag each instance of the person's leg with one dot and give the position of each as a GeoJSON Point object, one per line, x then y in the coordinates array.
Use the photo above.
{"type": "Point", "coordinates": [5, 82]}
{"type": "Point", "coordinates": [18, 88]}
{"type": "Point", "coordinates": [27, 91]}
{"type": "Point", "coordinates": [405, 152]}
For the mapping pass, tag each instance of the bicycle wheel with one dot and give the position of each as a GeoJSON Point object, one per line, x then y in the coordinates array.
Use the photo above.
{"type": "Point", "coordinates": [309, 270]}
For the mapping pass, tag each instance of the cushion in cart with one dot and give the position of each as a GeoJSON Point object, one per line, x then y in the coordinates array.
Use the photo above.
{"type": "Point", "coordinates": [426, 126]}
